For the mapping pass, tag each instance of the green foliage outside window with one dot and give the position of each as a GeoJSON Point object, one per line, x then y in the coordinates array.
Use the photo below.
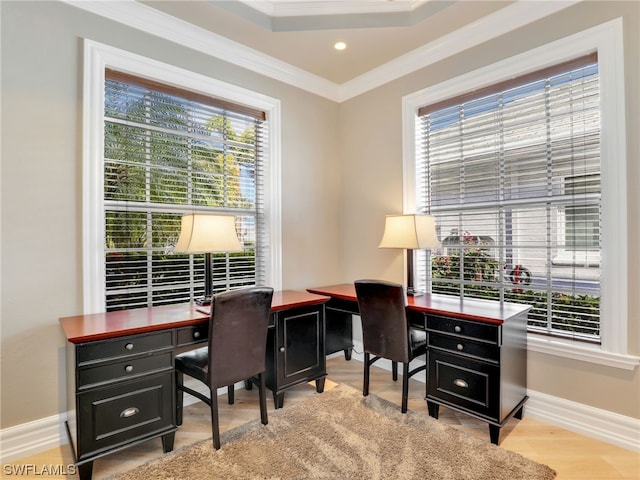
{"type": "Point", "coordinates": [164, 156]}
{"type": "Point", "coordinates": [481, 279]}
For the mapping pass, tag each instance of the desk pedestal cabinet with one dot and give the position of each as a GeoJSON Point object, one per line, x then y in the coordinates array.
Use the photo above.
{"type": "Point", "coordinates": [123, 396]}
{"type": "Point", "coordinates": [476, 351]}
{"type": "Point", "coordinates": [120, 369]}
{"type": "Point", "coordinates": [477, 368]}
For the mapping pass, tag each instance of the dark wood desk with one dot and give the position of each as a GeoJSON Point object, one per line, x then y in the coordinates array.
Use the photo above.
{"type": "Point", "coordinates": [476, 351]}
{"type": "Point", "coordinates": [120, 368]}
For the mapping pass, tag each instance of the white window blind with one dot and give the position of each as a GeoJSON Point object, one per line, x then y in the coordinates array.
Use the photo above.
{"type": "Point", "coordinates": [512, 174]}
{"type": "Point", "coordinates": [167, 152]}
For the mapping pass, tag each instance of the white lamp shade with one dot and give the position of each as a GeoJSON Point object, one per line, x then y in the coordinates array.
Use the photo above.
{"type": "Point", "coordinates": [409, 231]}
{"type": "Point", "coordinates": [202, 233]}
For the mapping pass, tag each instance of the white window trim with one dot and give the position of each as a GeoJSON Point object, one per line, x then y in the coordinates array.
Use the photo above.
{"type": "Point", "coordinates": [607, 39]}
{"type": "Point", "coordinates": [97, 57]}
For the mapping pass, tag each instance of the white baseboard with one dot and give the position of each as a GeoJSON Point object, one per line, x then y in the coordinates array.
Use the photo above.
{"type": "Point", "coordinates": [33, 437]}
{"type": "Point", "coordinates": [602, 425]}
{"type": "Point", "coordinates": [386, 364]}
{"type": "Point", "coordinates": [591, 422]}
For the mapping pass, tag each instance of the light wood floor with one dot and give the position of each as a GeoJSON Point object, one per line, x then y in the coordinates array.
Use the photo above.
{"type": "Point", "coordinates": [572, 455]}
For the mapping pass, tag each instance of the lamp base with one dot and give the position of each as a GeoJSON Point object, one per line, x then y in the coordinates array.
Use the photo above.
{"type": "Point", "coordinates": [411, 292]}
{"type": "Point", "coordinates": [204, 301]}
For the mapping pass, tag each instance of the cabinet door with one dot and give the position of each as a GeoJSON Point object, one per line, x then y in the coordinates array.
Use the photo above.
{"type": "Point", "coordinates": [301, 355]}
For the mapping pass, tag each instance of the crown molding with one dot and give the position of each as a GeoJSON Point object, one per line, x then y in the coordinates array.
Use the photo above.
{"type": "Point", "coordinates": [310, 15]}
{"type": "Point", "coordinates": [498, 23]}
{"type": "Point", "coordinates": [149, 20]}
{"type": "Point", "coordinates": [303, 8]}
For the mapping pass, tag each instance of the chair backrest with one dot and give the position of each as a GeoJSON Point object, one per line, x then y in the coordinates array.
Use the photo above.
{"type": "Point", "coordinates": [238, 334]}
{"type": "Point", "coordinates": [385, 331]}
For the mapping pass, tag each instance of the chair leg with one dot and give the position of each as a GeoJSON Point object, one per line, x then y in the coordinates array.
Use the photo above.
{"type": "Point", "coordinates": [215, 424]}
{"type": "Point", "coordinates": [179, 397]}
{"type": "Point", "coordinates": [231, 389]}
{"type": "Point", "coordinates": [263, 399]}
{"type": "Point", "coordinates": [405, 386]}
{"type": "Point", "coordinates": [394, 371]}
{"type": "Point", "coordinates": [365, 386]}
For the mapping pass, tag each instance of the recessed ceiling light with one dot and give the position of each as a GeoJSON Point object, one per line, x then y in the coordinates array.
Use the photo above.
{"type": "Point", "coordinates": [339, 45]}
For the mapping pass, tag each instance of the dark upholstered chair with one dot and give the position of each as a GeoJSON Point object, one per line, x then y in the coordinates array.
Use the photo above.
{"type": "Point", "coordinates": [236, 351]}
{"type": "Point", "coordinates": [386, 332]}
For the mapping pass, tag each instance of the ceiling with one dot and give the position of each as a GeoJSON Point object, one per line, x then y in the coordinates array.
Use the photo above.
{"type": "Point", "coordinates": [302, 33]}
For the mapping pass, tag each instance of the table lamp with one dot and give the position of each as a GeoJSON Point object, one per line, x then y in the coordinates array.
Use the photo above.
{"type": "Point", "coordinates": [206, 233]}
{"type": "Point", "coordinates": [410, 232]}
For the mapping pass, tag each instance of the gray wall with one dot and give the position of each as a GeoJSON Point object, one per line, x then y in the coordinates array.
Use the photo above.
{"type": "Point", "coordinates": [42, 186]}
{"type": "Point", "coordinates": [371, 144]}
{"type": "Point", "coordinates": [341, 173]}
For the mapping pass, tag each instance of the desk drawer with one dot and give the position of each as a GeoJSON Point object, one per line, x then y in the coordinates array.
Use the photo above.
{"type": "Point", "coordinates": [129, 368]}
{"type": "Point", "coordinates": [475, 330]}
{"type": "Point", "coordinates": [464, 346]}
{"type": "Point", "coordinates": [473, 386]}
{"type": "Point", "coordinates": [123, 346]}
{"type": "Point", "coordinates": [115, 415]}
{"type": "Point", "coordinates": [193, 334]}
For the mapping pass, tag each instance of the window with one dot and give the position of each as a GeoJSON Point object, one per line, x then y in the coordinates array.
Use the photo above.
{"type": "Point", "coordinates": [518, 220]}
{"type": "Point", "coordinates": [162, 142]}
{"type": "Point", "coordinates": [168, 151]}
{"type": "Point", "coordinates": [497, 165]}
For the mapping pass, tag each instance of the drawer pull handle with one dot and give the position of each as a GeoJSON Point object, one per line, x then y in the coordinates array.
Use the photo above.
{"type": "Point", "coordinates": [128, 368]}
{"type": "Point", "coordinates": [129, 346]}
{"type": "Point", "coordinates": [196, 334]}
{"type": "Point", "coordinates": [457, 329]}
{"type": "Point", "coordinates": [458, 382]}
{"type": "Point", "coordinates": [129, 412]}
{"type": "Point", "coordinates": [460, 347]}
{"type": "Point", "coordinates": [282, 349]}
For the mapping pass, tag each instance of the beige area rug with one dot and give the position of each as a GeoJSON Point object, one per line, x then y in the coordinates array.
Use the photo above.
{"type": "Point", "coordinates": [340, 434]}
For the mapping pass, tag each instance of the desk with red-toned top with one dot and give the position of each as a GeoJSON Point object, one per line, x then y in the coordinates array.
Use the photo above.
{"type": "Point", "coordinates": [476, 351]}
{"type": "Point", "coordinates": [120, 368]}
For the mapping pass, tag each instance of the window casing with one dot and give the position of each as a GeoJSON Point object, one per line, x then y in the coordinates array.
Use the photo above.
{"type": "Point", "coordinates": [184, 143]}
{"type": "Point", "coordinates": [606, 40]}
